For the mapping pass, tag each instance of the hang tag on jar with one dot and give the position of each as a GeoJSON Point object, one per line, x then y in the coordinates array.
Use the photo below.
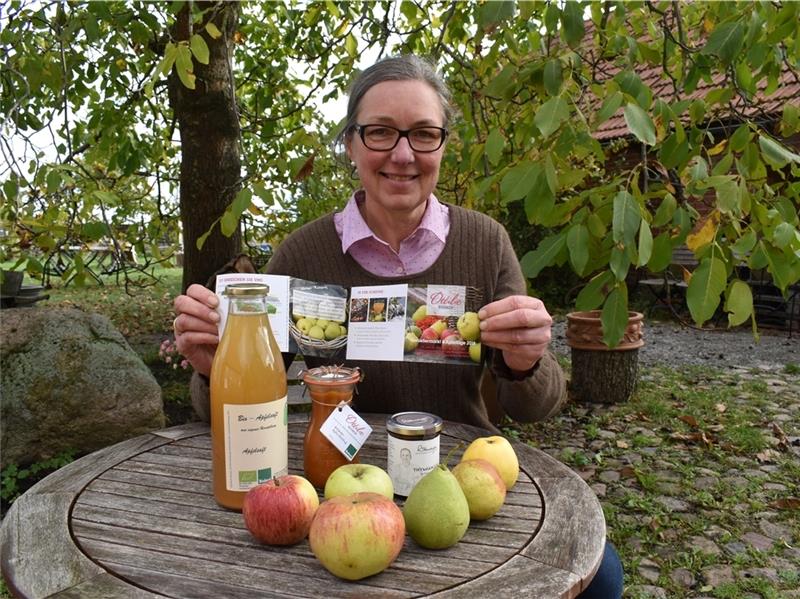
{"type": "Point", "coordinates": [346, 430]}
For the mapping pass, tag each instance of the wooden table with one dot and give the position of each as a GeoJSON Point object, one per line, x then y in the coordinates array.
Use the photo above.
{"type": "Point", "coordinates": [138, 520]}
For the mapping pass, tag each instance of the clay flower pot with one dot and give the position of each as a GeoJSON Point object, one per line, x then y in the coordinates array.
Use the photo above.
{"type": "Point", "coordinates": [601, 373]}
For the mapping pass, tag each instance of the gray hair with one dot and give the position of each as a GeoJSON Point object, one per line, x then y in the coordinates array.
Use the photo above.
{"type": "Point", "coordinates": [406, 67]}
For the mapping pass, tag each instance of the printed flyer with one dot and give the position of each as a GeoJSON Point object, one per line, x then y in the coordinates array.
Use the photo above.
{"type": "Point", "coordinates": [427, 323]}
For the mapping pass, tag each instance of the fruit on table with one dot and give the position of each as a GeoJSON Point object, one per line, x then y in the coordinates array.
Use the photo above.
{"type": "Point", "coordinates": [436, 511]}
{"type": "Point", "coordinates": [355, 536]}
{"type": "Point", "coordinates": [499, 453]}
{"type": "Point", "coordinates": [469, 326]}
{"type": "Point", "coordinates": [484, 489]}
{"type": "Point", "coordinates": [280, 511]}
{"type": "Point", "coordinates": [359, 478]}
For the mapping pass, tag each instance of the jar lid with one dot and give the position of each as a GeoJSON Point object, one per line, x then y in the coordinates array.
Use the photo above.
{"type": "Point", "coordinates": [332, 375]}
{"type": "Point", "coordinates": [414, 423]}
{"type": "Point", "coordinates": [246, 289]}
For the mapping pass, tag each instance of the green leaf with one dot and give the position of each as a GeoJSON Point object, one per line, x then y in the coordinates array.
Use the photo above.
{"type": "Point", "coordinates": [183, 64]}
{"type": "Point", "coordinates": [495, 143]}
{"type": "Point", "coordinates": [578, 244]}
{"type": "Point", "coordinates": [199, 48]}
{"type": "Point", "coordinates": [553, 76]}
{"type": "Point", "coordinates": [550, 115]}
{"type": "Point", "coordinates": [594, 292]}
{"type": "Point", "coordinates": [213, 31]}
{"type": "Point", "coordinates": [202, 239]}
{"type": "Point", "coordinates": [619, 263]}
{"type": "Point", "coordinates": [661, 257]}
{"type": "Point", "coordinates": [705, 287]}
{"type": "Point", "coordinates": [784, 233]}
{"type": "Point", "coordinates": [551, 15]}
{"type": "Point", "coordinates": [640, 124]}
{"type": "Point", "coordinates": [572, 21]}
{"type": "Point", "coordinates": [503, 83]}
{"type": "Point", "coordinates": [615, 315]}
{"type": "Point", "coordinates": [610, 106]}
{"type": "Point", "coordinates": [518, 181]}
{"type": "Point", "coordinates": [780, 267]}
{"type": "Point", "coordinates": [596, 225]}
{"type": "Point", "coordinates": [775, 153]}
{"type": "Point", "coordinates": [740, 138]}
{"type": "Point", "coordinates": [229, 222]}
{"type": "Point", "coordinates": [491, 14]}
{"type": "Point", "coordinates": [738, 302]}
{"type": "Point", "coordinates": [665, 211]}
{"type": "Point", "coordinates": [626, 218]}
{"type": "Point", "coordinates": [726, 41]}
{"type": "Point", "coordinates": [744, 245]}
{"type": "Point", "coordinates": [729, 199]}
{"type": "Point", "coordinates": [544, 255]}
{"type": "Point", "coordinates": [540, 200]}
{"type": "Point", "coordinates": [351, 45]}
{"type": "Point", "coordinates": [645, 243]}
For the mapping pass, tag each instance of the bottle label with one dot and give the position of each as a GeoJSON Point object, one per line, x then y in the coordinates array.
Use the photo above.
{"type": "Point", "coordinates": [408, 461]}
{"type": "Point", "coordinates": [346, 430]}
{"type": "Point", "coordinates": [256, 443]}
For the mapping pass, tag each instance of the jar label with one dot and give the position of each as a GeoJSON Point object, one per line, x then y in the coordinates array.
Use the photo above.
{"type": "Point", "coordinates": [346, 430]}
{"type": "Point", "coordinates": [408, 461]}
{"type": "Point", "coordinates": [256, 443]}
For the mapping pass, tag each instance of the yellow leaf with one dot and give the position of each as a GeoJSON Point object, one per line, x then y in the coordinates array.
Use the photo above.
{"type": "Point", "coordinates": [704, 232]}
{"type": "Point", "coordinates": [213, 31]}
{"type": "Point", "coordinates": [719, 148]}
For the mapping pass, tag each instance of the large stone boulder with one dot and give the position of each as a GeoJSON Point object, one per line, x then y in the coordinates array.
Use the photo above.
{"type": "Point", "coordinates": [70, 382]}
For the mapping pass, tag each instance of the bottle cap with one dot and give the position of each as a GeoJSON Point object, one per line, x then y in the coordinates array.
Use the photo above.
{"type": "Point", "coordinates": [413, 424]}
{"type": "Point", "coordinates": [332, 375]}
{"type": "Point", "coordinates": [246, 289]}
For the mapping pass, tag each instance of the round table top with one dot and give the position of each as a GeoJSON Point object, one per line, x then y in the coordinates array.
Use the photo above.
{"type": "Point", "coordinates": [138, 520]}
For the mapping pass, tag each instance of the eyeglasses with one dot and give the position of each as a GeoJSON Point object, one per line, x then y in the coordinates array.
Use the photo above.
{"type": "Point", "coordinates": [382, 138]}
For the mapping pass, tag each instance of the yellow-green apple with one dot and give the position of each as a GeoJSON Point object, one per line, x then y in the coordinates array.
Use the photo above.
{"type": "Point", "coordinates": [280, 511]}
{"type": "Point", "coordinates": [414, 329]}
{"type": "Point", "coordinates": [355, 536]}
{"type": "Point", "coordinates": [358, 478]}
{"type": "Point", "coordinates": [316, 332]}
{"type": "Point", "coordinates": [420, 312]}
{"type": "Point", "coordinates": [484, 489]}
{"type": "Point", "coordinates": [410, 343]}
{"type": "Point", "coordinates": [305, 324]}
{"type": "Point", "coordinates": [439, 326]}
{"type": "Point", "coordinates": [499, 453]}
{"type": "Point", "coordinates": [469, 326]}
{"type": "Point", "coordinates": [342, 330]}
{"type": "Point", "coordinates": [332, 331]}
{"type": "Point", "coordinates": [323, 323]}
{"type": "Point", "coordinates": [475, 352]}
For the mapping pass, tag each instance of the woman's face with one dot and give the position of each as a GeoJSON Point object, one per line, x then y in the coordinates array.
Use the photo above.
{"type": "Point", "coordinates": [400, 179]}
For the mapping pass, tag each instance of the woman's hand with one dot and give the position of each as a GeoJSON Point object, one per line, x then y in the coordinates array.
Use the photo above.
{"type": "Point", "coordinates": [519, 326]}
{"type": "Point", "coordinates": [195, 327]}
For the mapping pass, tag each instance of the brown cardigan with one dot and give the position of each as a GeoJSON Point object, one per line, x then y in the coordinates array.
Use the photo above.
{"type": "Point", "coordinates": [478, 253]}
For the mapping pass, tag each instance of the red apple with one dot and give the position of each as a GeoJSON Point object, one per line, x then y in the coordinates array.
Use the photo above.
{"type": "Point", "coordinates": [280, 511]}
{"type": "Point", "coordinates": [355, 536]}
{"type": "Point", "coordinates": [455, 347]}
{"type": "Point", "coordinates": [429, 334]}
{"type": "Point", "coordinates": [447, 332]}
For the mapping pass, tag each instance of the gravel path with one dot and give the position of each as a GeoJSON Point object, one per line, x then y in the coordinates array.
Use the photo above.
{"type": "Point", "coordinates": [668, 343]}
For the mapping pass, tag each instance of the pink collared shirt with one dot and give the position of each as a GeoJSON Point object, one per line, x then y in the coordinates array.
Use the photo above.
{"type": "Point", "coordinates": [417, 252]}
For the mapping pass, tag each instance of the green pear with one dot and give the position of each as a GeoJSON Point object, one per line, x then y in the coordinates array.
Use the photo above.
{"type": "Point", "coordinates": [436, 512]}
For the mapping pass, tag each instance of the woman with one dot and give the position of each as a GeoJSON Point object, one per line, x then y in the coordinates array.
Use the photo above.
{"type": "Point", "coordinates": [394, 230]}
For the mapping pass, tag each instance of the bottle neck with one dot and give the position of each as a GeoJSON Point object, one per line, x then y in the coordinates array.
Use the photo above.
{"type": "Point", "coordinates": [248, 305]}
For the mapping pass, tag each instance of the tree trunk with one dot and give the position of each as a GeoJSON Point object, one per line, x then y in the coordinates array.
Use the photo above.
{"type": "Point", "coordinates": [208, 122]}
{"type": "Point", "coordinates": [603, 376]}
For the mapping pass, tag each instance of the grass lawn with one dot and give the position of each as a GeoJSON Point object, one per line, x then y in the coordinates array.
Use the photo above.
{"type": "Point", "coordinates": [698, 474]}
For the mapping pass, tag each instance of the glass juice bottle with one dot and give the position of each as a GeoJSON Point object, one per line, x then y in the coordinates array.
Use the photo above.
{"type": "Point", "coordinates": [328, 386]}
{"type": "Point", "coordinates": [249, 427]}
